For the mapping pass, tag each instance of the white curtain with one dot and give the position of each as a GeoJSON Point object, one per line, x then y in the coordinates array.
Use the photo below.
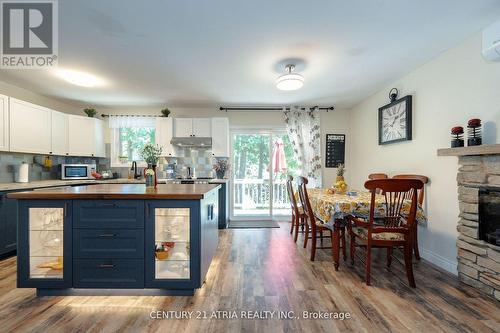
{"type": "Point", "coordinates": [303, 128]}
{"type": "Point", "coordinates": [131, 121]}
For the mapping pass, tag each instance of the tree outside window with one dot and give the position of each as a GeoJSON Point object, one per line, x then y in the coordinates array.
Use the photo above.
{"type": "Point", "coordinates": [132, 140]}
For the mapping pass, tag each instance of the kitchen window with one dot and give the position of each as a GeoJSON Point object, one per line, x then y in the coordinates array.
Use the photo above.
{"type": "Point", "coordinates": [129, 135]}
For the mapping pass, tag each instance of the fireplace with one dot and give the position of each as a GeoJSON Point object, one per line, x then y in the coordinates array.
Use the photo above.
{"type": "Point", "coordinates": [478, 245]}
{"type": "Point", "coordinates": [489, 215]}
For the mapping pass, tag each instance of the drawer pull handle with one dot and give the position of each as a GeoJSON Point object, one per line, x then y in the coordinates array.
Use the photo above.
{"type": "Point", "coordinates": [107, 235]}
{"type": "Point", "coordinates": [108, 206]}
{"type": "Point", "coordinates": [106, 266]}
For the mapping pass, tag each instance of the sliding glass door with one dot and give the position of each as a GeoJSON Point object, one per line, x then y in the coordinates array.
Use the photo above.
{"type": "Point", "coordinates": [261, 162]}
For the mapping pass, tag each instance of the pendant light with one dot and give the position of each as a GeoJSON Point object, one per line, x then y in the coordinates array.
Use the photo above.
{"type": "Point", "coordinates": [290, 81]}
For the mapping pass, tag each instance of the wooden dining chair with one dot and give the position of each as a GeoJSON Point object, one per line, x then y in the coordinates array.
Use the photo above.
{"type": "Point", "coordinates": [298, 216]}
{"type": "Point", "coordinates": [374, 176]}
{"type": "Point", "coordinates": [315, 226]}
{"type": "Point", "coordinates": [398, 228]}
{"type": "Point", "coordinates": [421, 194]}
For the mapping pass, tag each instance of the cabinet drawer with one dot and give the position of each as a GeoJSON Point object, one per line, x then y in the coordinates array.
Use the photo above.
{"type": "Point", "coordinates": [108, 273]}
{"type": "Point", "coordinates": [108, 243]}
{"type": "Point", "coordinates": [98, 214]}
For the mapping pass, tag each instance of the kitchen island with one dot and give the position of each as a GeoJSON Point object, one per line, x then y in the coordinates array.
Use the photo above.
{"type": "Point", "coordinates": [116, 239]}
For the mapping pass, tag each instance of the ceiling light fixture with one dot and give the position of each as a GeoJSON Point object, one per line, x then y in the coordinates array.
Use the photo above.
{"type": "Point", "coordinates": [79, 78]}
{"type": "Point", "coordinates": [290, 81]}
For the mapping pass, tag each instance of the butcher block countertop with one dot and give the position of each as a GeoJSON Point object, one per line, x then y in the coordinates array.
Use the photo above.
{"type": "Point", "coordinates": [120, 191]}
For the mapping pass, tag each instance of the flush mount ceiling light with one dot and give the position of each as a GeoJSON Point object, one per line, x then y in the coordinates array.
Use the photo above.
{"type": "Point", "coordinates": [79, 78]}
{"type": "Point", "coordinates": [290, 81]}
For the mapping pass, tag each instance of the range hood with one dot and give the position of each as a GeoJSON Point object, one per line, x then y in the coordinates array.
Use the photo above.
{"type": "Point", "coordinates": [198, 142]}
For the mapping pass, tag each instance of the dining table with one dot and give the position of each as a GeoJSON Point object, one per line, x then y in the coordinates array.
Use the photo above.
{"type": "Point", "coordinates": [333, 209]}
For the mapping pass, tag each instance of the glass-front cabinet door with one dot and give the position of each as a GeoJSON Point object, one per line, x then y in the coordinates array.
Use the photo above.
{"type": "Point", "coordinates": [170, 243]}
{"type": "Point", "coordinates": [44, 250]}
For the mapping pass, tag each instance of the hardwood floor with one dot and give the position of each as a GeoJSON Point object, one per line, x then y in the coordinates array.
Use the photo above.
{"type": "Point", "coordinates": [263, 269]}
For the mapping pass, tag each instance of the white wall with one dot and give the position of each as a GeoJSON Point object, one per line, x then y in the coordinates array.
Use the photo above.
{"type": "Point", "coordinates": [449, 90]}
{"type": "Point", "coordinates": [29, 96]}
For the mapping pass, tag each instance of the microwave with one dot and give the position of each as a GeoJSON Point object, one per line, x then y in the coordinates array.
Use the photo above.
{"type": "Point", "coordinates": [77, 171]}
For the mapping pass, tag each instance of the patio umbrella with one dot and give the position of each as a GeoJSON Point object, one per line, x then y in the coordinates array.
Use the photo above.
{"type": "Point", "coordinates": [279, 159]}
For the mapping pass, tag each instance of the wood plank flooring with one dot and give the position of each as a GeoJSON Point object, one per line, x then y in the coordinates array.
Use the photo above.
{"type": "Point", "coordinates": [263, 269]}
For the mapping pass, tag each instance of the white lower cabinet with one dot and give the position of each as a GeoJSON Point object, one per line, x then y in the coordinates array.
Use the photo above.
{"type": "Point", "coordinates": [4, 123]}
{"type": "Point", "coordinates": [30, 127]}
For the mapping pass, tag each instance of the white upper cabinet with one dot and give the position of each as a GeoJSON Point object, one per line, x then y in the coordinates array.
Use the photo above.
{"type": "Point", "coordinates": [163, 134]}
{"type": "Point", "coordinates": [30, 127]}
{"type": "Point", "coordinates": [186, 127]}
{"type": "Point", "coordinates": [183, 127]}
{"type": "Point", "coordinates": [86, 136]}
{"type": "Point", "coordinates": [4, 123]}
{"type": "Point", "coordinates": [220, 137]}
{"type": "Point", "coordinates": [202, 127]}
{"type": "Point", "coordinates": [81, 140]}
{"type": "Point", "coordinates": [99, 145]}
{"type": "Point", "coordinates": [59, 133]}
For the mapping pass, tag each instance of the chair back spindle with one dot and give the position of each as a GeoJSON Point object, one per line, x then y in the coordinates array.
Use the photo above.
{"type": "Point", "coordinates": [396, 192]}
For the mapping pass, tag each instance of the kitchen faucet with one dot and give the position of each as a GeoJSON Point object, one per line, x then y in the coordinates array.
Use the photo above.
{"type": "Point", "coordinates": [137, 175]}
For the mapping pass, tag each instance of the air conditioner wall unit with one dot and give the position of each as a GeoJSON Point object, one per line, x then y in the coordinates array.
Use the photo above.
{"type": "Point", "coordinates": [491, 42]}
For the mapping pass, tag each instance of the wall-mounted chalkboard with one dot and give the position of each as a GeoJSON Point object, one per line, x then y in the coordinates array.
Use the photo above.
{"type": "Point", "coordinates": [335, 150]}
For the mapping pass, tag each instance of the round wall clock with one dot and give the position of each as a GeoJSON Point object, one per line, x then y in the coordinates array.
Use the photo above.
{"type": "Point", "coordinates": [394, 121]}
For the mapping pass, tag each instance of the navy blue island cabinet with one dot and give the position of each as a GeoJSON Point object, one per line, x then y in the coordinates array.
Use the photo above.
{"type": "Point", "coordinates": [117, 239]}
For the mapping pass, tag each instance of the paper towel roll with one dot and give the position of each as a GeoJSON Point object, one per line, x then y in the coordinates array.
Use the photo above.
{"type": "Point", "coordinates": [23, 171]}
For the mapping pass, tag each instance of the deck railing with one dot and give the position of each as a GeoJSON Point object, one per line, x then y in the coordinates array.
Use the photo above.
{"type": "Point", "coordinates": [255, 194]}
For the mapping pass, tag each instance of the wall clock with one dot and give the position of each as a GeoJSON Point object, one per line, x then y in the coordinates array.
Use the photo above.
{"type": "Point", "coordinates": [394, 121]}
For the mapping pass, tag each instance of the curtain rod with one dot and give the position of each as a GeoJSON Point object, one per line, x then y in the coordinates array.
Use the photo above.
{"type": "Point", "coordinates": [131, 115]}
{"type": "Point", "coordinates": [223, 108]}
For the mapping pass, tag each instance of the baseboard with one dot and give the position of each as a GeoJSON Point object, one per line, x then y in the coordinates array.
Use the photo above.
{"type": "Point", "coordinates": [440, 261]}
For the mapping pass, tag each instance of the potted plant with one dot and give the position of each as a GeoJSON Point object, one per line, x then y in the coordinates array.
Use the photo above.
{"type": "Point", "coordinates": [151, 154]}
{"type": "Point", "coordinates": [165, 112]}
{"type": "Point", "coordinates": [90, 112]}
{"type": "Point", "coordinates": [220, 167]}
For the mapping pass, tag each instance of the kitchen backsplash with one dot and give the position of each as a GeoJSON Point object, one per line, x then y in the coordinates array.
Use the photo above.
{"type": "Point", "coordinates": [199, 159]}
{"type": "Point", "coordinates": [9, 161]}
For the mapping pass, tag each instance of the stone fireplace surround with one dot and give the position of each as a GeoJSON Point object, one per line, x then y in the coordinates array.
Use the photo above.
{"type": "Point", "coordinates": [478, 261]}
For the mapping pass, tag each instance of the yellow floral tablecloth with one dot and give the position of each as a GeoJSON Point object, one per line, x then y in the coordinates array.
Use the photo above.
{"type": "Point", "coordinates": [329, 207]}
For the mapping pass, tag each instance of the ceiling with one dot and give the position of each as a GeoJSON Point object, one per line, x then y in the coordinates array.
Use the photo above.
{"type": "Point", "coordinates": [202, 53]}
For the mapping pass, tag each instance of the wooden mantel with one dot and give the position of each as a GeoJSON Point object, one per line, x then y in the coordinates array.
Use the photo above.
{"type": "Point", "coordinates": [470, 151]}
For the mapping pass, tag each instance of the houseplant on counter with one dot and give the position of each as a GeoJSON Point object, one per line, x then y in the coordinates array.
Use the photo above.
{"type": "Point", "coordinates": [220, 167]}
{"type": "Point", "coordinates": [151, 154]}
